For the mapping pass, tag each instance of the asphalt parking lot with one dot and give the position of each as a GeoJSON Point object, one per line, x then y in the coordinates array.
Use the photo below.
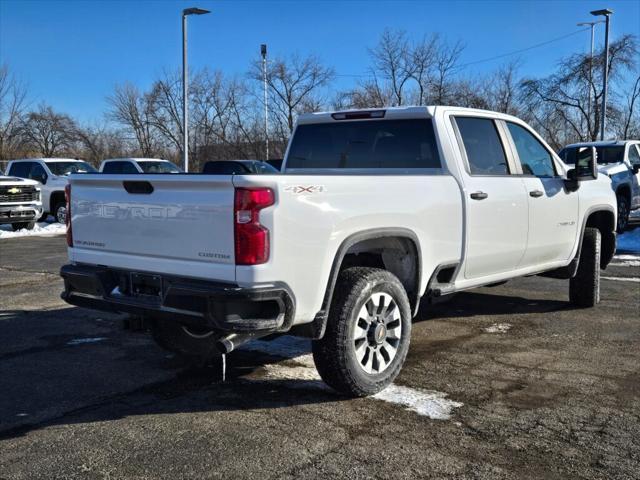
{"type": "Point", "coordinates": [529, 387]}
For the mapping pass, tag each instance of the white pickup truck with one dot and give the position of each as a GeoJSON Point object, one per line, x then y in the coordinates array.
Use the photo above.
{"type": "Point", "coordinates": [373, 211]}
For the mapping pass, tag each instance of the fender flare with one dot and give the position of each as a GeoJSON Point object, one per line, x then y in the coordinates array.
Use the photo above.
{"type": "Point", "coordinates": [316, 328]}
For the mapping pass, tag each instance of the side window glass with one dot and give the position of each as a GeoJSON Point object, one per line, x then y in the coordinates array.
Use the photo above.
{"type": "Point", "coordinates": [128, 167]}
{"type": "Point", "coordinates": [482, 144]}
{"type": "Point", "coordinates": [634, 157]}
{"type": "Point", "coordinates": [37, 172]}
{"type": "Point", "coordinates": [534, 158]}
{"type": "Point", "coordinates": [112, 167]}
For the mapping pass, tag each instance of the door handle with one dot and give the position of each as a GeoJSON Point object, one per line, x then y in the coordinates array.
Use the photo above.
{"type": "Point", "coordinates": [479, 195]}
{"type": "Point", "coordinates": [536, 193]}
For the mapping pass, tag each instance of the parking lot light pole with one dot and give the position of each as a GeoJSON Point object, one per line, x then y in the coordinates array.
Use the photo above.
{"type": "Point", "coordinates": [185, 88]}
{"type": "Point", "coordinates": [606, 13]}
{"type": "Point", "coordinates": [263, 52]}
{"type": "Point", "coordinates": [592, 25]}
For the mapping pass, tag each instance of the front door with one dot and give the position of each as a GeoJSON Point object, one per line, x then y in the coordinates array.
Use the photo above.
{"type": "Point", "coordinates": [553, 211]}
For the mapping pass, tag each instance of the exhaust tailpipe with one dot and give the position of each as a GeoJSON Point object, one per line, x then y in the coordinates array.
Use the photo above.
{"type": "Point", "coordinates": [230, 342]}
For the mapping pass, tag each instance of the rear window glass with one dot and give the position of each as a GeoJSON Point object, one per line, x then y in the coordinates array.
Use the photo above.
{"type": "Point", "coordinates": [365, 144]}
{"type": "Point", "coordinates": [158, 167]}
{"type": "Point", "coordinates": [483, 146]}
{"type": "Point", "coordinates": [606, 155]}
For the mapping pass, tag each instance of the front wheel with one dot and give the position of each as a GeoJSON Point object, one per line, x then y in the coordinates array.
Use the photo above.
{"type": "Point", "coordinates": [23, 225]}
{"type": "Point", "coordinates": [368, 331]}
{"type": "Point", "coordinates": [60, 212]}
{"type": "Point", "coordinates": [623, 213]}
{"type": "Point", "coordinates": [584, 288]}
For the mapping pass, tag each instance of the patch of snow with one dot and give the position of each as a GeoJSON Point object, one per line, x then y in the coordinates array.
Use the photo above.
{"type": "Point", "coordinates": [82, 341]}
{"type": "Point", "coordinates": [629, 241]}
{"type": "Point", "coordinates": [498, 328]}
{"type": "Point", "coordinates": [42, 229]}
{"type": "Point", "coordinates": [299, 371]}
{"type": "Point", "coordinates": [622, 279]}
{"type": "Point", "coordinates": [429, 403]}
{"type": "Point", "coordinates": [625, 261]}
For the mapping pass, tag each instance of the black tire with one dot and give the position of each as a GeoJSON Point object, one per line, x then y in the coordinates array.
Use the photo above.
{"type": "Point", "coordinates": [59, 212]}
{"type": "Point", "coordinates": [623, 213]}
{"type": "Point", "coordinates": [335, 354]}
{"type": "Point", "coordinates": [23, 225]}
{"type": "Point", "coordinates": [196, 347]}
{"type": "Point", "coordinates": [584, 288]}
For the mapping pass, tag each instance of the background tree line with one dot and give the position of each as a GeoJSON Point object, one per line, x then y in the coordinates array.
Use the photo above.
{"type": "Point", "coordinates": [226, 112]}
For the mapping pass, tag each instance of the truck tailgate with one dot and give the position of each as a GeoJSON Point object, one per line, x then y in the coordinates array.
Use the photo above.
{"type": "Point", "coordinates": [175, 224]}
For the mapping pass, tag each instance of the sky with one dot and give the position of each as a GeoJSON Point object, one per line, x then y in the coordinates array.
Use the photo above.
{"type": "Point", "coordinates": [71, 54]}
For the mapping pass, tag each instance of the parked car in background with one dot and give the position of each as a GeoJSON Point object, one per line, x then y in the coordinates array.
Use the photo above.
{"type": "Point", "coordinates": [138, 165]}
{"type": "Point", "coordinates": [52, 174]}
{"type": "Point", "coordinates": [238, 167]}
{"type": "Point", "coordinates": [620, 161]}
{"type": "Point", "coordinates": [376, 210]}
{"type": "Point", "coordinates": [20, 203]}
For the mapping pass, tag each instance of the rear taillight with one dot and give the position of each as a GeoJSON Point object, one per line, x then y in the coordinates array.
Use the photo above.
{"type": "Point", "coordinates": [251, 238]}
{"type": "Point", "coordinates": [67, 221]}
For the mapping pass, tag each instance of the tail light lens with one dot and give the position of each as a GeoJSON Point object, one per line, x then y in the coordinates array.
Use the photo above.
{"type": "Point", "coordinates": [67, 221]}
{"type": "Point", "coordinates": [251, 238]}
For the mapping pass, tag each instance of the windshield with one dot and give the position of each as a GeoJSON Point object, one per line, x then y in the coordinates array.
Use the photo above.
{"type": "Point", "coordinates": [606, 155]}
{"type": "Point", "coordinates": [158, 167]}
{"type": "Point", "coordinates": [66, 168]}
{"type": "Point", "coordinates": [365, 144]}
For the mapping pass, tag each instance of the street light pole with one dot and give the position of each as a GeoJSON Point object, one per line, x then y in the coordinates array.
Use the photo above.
{"type": "Point", "coordinates": [263, 52]}
{"type": "Point", "coordinates": [592, 25]}
{"type": "Point", "coordinates": [185, 85]}
{"type": "Point", "coordinates": [606, 13]}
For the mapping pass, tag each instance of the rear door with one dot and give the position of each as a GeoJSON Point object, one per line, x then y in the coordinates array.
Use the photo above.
{"type": "Point", "coordinates": [495, 199]}
{"type": "Point", "coordinates": [553, 210]}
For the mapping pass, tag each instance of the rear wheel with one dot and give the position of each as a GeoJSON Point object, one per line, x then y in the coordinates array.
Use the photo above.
{"type": "Point", "coordinates": [584, 288]}
{"type": "Point", "coordinates": [623, 213]}
{"type": "Point", "coordinates": [195, 345]}
{"type": "Point", "coordinates": [367, 335]}
{"type": "Point", "coordinates": [23, 225]}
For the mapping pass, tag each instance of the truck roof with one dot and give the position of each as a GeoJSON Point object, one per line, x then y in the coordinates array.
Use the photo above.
{"type": "Point", "coordinates": [47, 159]}
{"type": "Point", "coordinates": [135, 159]}
{"type": "Point", "coordinates": [603, 143]}
{"type": "Point", "coordinates": [394, 113]}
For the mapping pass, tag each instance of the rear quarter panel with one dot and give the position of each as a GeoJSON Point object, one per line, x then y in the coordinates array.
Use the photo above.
{"type": "Point", "coordinates": [314, 214]}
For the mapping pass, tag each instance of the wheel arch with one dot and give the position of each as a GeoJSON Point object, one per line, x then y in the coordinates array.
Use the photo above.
{"type": "Point", "coordinates": [56, 197]}
{"type": "Point", "coordinates": [604, 219]}
{"type": "Point", "coordinates": [396, 250]}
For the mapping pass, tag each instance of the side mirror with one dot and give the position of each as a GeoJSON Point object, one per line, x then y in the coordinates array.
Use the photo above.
{"type": "Point", "coordinates": [635, 167]}
{"type": "Point", "coordinates": [586, 163]}
{"type": "Point", "coordinates": [586, 167]}
{"type": "Point", "coordinates": [42, 178]}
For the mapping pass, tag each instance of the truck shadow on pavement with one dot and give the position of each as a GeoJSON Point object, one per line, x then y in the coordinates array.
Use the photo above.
{"type": "Point", "coordinates": [71, 365]}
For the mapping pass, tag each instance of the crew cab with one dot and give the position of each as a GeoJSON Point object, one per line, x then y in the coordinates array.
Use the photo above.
{"type": "Point", "coordinates": [373, 211]}
{"type": "Point", "coordinates": [52, 174]}
{"type": "Point", "coordinates": [138, 165]}
{"type": "Point", "coordinates": [620, 161]}
{"type": "Point", "coordinates": [20, 203]}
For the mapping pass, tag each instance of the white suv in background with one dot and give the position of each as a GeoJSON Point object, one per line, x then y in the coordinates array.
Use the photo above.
{"type": "Point", "coordinates": [52, 174]}
{"type": "Point", "coordinates": [138, 165]}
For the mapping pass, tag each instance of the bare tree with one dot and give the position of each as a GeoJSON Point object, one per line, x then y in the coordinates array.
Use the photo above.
{"type": "Point", "coordinates": [568, 89]}
{"type": "Point", "coordinates": [446, 60]}
{"type": "Point", "coordinates": [95, 143]}
{"type": "Point", "coordinates": [422, 57]}
{"type": "Point", "coordinates": [132, 109]}
{"type": "Point", "coordinates": [631, 119]}
{"type": "Point", "coordinates": [294, 84]}
{"type": "Point", "coordinates": [49, 133]}
{"type": "Point", "coordinates": [12, 108]}
{"type": "Point", "coordinates": [392, 60]}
